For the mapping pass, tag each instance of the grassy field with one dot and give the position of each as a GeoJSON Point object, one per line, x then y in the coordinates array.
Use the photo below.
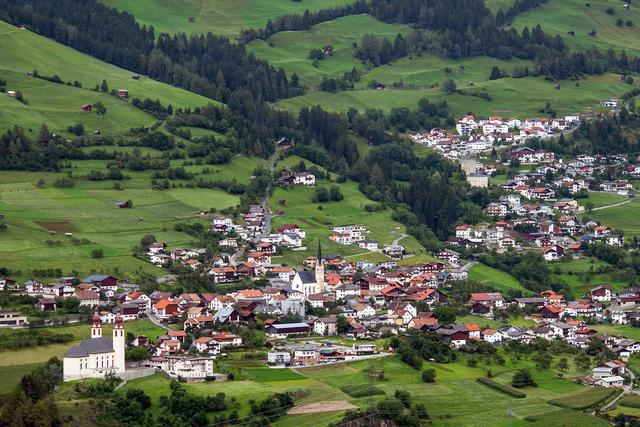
{"type": "Point", "coordinates": [510, 97]}
{"type": "Point", "coordinates": [621, 217]}
{"type": "Point", "coordinates": [568, 272]}
{"type": "Point", "coordinates": [89, 212]}
{"type": "Point", "coordinates": [599, 199]}
{"type": "Point", "coordinates": [59, 107]}
{"type": "Point", "coordinates": [317, 222]}
{"type": "Point", "coordinates": [22, 51]}
{"type": "Point", "coordinates": [290, 49]}
{"type": "Point", "coordinates": [500, 280]}
{"type": "Point", "coordinates": [455, 399]}
{"type": "Point", "coordinates": [221, 17]}
{"type": "Point", "coordinates": [561, 16]}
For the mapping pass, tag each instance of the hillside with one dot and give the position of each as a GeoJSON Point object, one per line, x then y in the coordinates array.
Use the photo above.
{"type": "Point", "coordinates": [565, 16]}
{"type": "Point", "coordinates": [221, 17]}
{"type": "Point", "coordinates": [58, 105]}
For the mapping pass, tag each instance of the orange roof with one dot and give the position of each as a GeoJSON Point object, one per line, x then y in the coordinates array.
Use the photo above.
{"type": "Point", "coordinates": [489, 332]}
{"type": "Point", "coordinates": [177, 334]}
{"type": "Point", "coordinates": [472, 327]}
{"type": "Point", "coordinates": [251, 293]}
{"type": "Point", "coordinates": [164, 303]}
{"type": "Point", "coordinates": [203, 340]}
{"type": "Point", "coordinates": [135, 295]}
{"type": "Point", "coordinates": [332, 278]}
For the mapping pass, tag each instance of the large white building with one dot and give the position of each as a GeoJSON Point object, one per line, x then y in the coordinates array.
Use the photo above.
{"type": "Point", "coordinates": [310, 282]}
{"type": "Point", "coordinates": [97, 356]}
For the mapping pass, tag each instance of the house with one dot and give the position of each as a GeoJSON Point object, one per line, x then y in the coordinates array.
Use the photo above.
{"type": "Point", "coordinates": [87, 298]}
{"type": "Point", "coordinates": [326, 326]}
{"type": "Point", "coordinates": [165, 308]}
{"type": "Point", "coordinates": [188, 368]}
{"type": "Point", "coordinates": [123, 93]}
{"type": "Point", "coordinates": [46, 304]}
{"type": "Point", "coordinates": [615, 381]}
{"type": "Point", "coordinates": [10, 319]}
{"type": "Point", "coordinates": [279, 358]}
{"type": "Point", "coordinates": [87, 108]}
{"type": "Point", "coordinates": [492, 336]}
{"type": "Point", "coordinates": [102, 281]}
{"type": "Point", "coordinates": [494, 299]}
{"type": "Point", "coordinates": [602, 293]}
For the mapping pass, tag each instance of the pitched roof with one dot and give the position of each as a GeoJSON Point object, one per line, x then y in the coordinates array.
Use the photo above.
{"type": "Point", "coordinates": [91, 346]}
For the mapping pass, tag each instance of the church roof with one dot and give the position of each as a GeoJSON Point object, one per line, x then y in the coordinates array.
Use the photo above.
{"type": "Point", "coordinates": [307, 276]}
{"type": "Point", "coordinates": [91, 346]}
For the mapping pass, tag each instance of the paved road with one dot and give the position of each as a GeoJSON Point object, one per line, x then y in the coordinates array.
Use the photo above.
{"type": "Point", "coordinates": [402, 236]}
{"type": "Point", "coordinates": [266, 229]}
{"type": "Point", "coordinates": [152, 317]}
{"type": "Point", "coordinates": [468, 266]}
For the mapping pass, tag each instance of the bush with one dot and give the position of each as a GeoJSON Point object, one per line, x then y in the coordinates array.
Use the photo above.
{"type": "Point", "coordinates": [64, 182]}
{"type": "Point", "coordinates": [97, 253]}
{"type": "Point", "coordinates": [362, 390]}
{"type": "Point", "coordinates": [429, 375]}
{"type": "Point", "coordinates": [522, 378]}
{"type": "Point", "coordinates": [502, 388]}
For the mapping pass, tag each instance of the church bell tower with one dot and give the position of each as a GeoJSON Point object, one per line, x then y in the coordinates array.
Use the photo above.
{"type": "Point", "coordinates": [319, 270]}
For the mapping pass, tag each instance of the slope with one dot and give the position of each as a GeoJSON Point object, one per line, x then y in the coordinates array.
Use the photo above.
{"type": "Point", "coordinates": [23, 51]}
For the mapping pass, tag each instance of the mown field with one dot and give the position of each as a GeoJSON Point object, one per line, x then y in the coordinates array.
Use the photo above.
{"type": "Point", "coordinates": [88, 211]}
{"type": "Point", "coordinates": [59, 105]}
{"type": "Point", "coordinates": [221, 17]}
{"type": "Point", "coordinates": [584, 274]}
{"type": "Point", "coordinates": [455, 399]}
{"type": "Point", "coordinates": [562, 16]}
{"type": "Point", "coordinates": [290, 49]}
{"type": "Point", "coordinates": [623, 217]}
{"type": "Point", "coordinates": [499, 280]}
{"type": "Point", "coordinates": [510, 97]}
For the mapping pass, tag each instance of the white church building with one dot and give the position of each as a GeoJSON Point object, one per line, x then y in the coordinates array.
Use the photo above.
{"type": "Point", "coordinates": [310, 282]}
{"type": "Point", "coordinates": [97, 356]}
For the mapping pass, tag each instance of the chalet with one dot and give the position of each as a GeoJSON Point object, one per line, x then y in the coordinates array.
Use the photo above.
{"type": "Point", "coordinates": [165, 308]}
{"type": "Point", "coordinates": [46, 304]}
{"type": "Point", "coordinates": [602, 293]}
{"type": "Point", "coordinates": [102, 281]}
{"type": "Point", "coordinates": [87, 108]}
{"type": "Point", "coordinates": [550, 311]}
{"type": "Point", "coordinates": [492, 336]}
{"type": "Point", "coordinates": [87, 298]}
{"type": "Point", "coordinates": [493, 299]}
{"type": "Point", "coordinates": [123, 93]}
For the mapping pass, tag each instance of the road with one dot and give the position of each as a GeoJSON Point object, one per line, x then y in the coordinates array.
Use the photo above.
{"type": "Point", "coordinates": [468, 266]}
{"type": "Point", "coordinates": [402, 236]}
{"type": "Point", "coordinates": [153, 319]}
{"type": "Point", "coordinates": [266, 228]}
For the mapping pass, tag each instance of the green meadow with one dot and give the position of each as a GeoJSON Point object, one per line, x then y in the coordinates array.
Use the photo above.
{"type": "Point", "coordinates": [317, 219]}
{"type": "Point", "coordinates": [562, 16]}
{"type": "Point", "coordinates": [455, 399]}
{"type": "Point", "coordinates": [88, 211]}
{"type": "Point", "coordinates": [290, 49]}
{"type": "Point", "coordinates": [493, 277]}
{"type": "Point", "coordinates": [600, 198]}
{"type": "Point", "coordinates": [624, 217]}
{"type": "Point", "coordinates": [581, 275]}
{"type": "Point", "coordinates": [59, 105]}
{"type": "Point", "coordinates": [22, 51]}
{"type": "Point", "coordinates": [510, 97]}
{"type": "Point", "coordinates": [221, 17]}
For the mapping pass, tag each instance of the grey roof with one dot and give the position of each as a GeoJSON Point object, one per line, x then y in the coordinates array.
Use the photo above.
{"type": "Point", "coordinates": [307, 276]}
{"type": "Point", "coordinates": [290, 325]}
{"type": "Point", "coordinates": [95, 278]}
{"type": "Point", "coordinates": [91, 346]}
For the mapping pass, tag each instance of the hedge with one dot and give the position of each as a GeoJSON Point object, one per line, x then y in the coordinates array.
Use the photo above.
{"type": "Point", "coordinates": [586, 399]}
{"type": "Point", "coordinates": [630, 401]}
{"type": "Point", "coordinates": [502, 388]}
{"type": "Point", "coordinates": [362, 390]}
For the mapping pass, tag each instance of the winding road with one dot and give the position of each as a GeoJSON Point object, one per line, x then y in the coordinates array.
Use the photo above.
{"type": "Point", "coordinates": [624, 202]}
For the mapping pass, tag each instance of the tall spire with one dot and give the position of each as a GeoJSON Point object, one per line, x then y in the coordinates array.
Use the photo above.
{"type": "Point", "coordinates": [319, 257]}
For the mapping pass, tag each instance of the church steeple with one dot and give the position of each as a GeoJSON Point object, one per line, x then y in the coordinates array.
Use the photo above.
{"type": "Point", "coordinates": [319, 271]}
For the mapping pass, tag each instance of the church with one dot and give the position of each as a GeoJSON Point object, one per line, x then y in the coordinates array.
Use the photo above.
{"type": "Point", "coordinates": [310, 282]}
{"type": "Point", "coordinates": [96, 356]}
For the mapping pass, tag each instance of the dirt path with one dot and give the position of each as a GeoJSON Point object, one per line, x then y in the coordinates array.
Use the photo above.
{"type": "Point", "coordinates": [624, 202]}
{"type": "Point", "coordinates": [326, 406]}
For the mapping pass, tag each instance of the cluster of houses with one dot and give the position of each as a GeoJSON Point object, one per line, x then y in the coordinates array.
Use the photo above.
{"type": "Point", "coordinates": [476, 135]}
{"type": "Point", "coordinates": [554, 239]}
